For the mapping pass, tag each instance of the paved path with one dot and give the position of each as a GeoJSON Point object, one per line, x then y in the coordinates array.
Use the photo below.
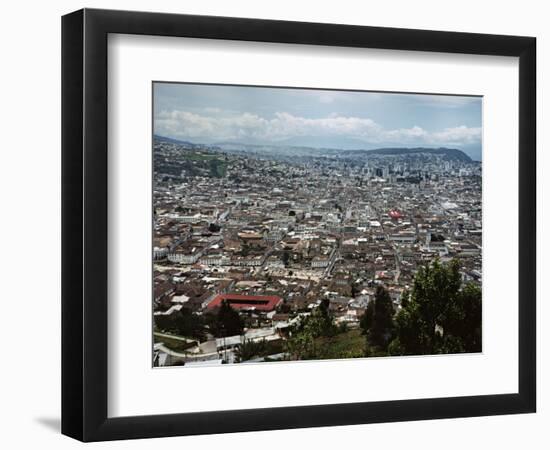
{"type": "Point", "coordinates": [171, 336]}
{"type": "Point", "coordinates": [189, 356]}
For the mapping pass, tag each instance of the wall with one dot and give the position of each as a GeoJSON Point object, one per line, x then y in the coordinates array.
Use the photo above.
{"type": "Point", "coordinates": [30, 177]}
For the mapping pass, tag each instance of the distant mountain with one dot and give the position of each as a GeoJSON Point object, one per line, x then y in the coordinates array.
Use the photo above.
{"type": "Point", "coordinates": [289, 151]}
{"type": "Point", "coordinates": [156, 137]}
{"type": "Point", "coordinates": [447, 153]}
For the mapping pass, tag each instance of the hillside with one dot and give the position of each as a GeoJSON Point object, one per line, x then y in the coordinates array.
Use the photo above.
{"type": "Point", "coordinates": [288, 151]}
{"type": "Point", "coordinates": [447, 153]}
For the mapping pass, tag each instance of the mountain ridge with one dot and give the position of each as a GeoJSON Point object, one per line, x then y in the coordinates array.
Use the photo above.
{"type": "Point", "coordinates": [449, 152]}
{"type": "Point", "coordinates": [446, 152]}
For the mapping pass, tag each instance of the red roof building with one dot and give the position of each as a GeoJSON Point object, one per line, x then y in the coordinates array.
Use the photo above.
{"type": "Point", "coordinates": [247, 302]}
{"type": "Point", "coordinates": [394, 214]}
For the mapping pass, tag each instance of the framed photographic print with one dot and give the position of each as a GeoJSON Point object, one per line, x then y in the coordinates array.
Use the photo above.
{"type": "Point", "coordinates": [273, 224]}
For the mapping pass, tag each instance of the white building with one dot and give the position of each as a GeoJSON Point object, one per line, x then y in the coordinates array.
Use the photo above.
{"type": "Point", "coordinates": [185, 258]}
{"type": "Point", "coordinates": [160, 253]}
{"type": "Point", "coordinates": [403, 238]}
{"type": "Point", "coordinates": [215, 260]}
{"type": "Point", "coordinates": [319, 263]}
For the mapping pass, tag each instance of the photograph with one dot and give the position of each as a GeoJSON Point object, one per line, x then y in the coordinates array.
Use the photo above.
{"type": "Point", "coordinates": [295, 224]}
{"type": "Point", "coordinates": [266, 225]}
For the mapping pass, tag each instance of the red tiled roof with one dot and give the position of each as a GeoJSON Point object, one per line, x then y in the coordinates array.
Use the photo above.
{"type": "Point", "coordinates": [238, 301]}
{"type": "Point", "coordinates": [395, 214]}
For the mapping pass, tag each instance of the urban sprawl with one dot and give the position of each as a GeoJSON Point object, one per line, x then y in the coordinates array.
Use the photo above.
{"type": "Point", "coordinates": [251, 242]}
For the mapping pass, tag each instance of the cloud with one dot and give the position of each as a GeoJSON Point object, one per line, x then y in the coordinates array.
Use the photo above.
{"type": "Point", "coordinates": [461, 134]}
{"type": "Point", "coordinates": [218, 125]}
{"type": "Point", "coordinates": [446, 101]}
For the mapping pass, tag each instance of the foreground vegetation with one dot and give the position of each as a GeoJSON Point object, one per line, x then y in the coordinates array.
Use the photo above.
{"type": "Point", "coordinates": [440, 315]}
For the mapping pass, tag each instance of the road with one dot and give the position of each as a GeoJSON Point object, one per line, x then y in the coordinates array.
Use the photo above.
{"type": "Point", "coordinates": [333, 258]}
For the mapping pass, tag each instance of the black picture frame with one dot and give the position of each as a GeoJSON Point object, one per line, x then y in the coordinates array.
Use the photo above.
{"type": "Point", "coordinates": [84, 224]}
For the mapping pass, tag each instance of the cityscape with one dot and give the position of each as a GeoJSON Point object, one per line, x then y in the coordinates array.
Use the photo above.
{"type": "Point", "coordinates": [269, 246]}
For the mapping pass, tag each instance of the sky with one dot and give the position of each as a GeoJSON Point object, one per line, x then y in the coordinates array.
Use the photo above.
{"type": "Point", "coordinates": [212, 114]}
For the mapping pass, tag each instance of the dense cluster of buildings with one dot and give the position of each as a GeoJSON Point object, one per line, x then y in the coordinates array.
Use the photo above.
{"type": "Point", "coordinates": [275, 237]}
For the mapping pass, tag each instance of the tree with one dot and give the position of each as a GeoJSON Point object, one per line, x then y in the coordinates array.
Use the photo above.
{"type": "Point", "coordinates": [343, 327]}
{"type": "Point", "coordinates": [321, 322]}
{"type": "Point", "coordinates": [464, 320]}
{"type": "Point", "coordinates": [405, 296]}
{"type": "Point", "coordinates": [301, 344]}
{"type": "Point", "coordinates": [286, 257]}
{"type": "Point", "coordinates": [245, 249]}
{"type": "Point", "coordinates": [214, 227]}
{"type": "Point", "coordinates": [367, 319]}
{"type": "Point", "coordinates": [377, 323]}
{"type": "Point", "coordinates": [411, 332]}
{"type": "Point", "coordinates": [228, 322]}
{"type": "Point", "coordinates": [440, 315]}
{"type": "Point", "coordinates": [182, 323]}
{"type": "Point", "coordinates": [249, 349]}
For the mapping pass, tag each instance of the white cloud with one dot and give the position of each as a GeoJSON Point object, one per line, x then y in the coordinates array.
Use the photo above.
{"type": "Point", "coordinates": [220, 126]}
{"type": "Point", "coordinates": [461, 134]}
{"type": "Point", "coordinates": [446, 101]}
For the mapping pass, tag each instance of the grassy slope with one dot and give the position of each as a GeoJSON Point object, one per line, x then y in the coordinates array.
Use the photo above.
{"type": "Point", "coordinates": [350, 344]}
{"type": "Point", "coordinates": [176, 345]}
